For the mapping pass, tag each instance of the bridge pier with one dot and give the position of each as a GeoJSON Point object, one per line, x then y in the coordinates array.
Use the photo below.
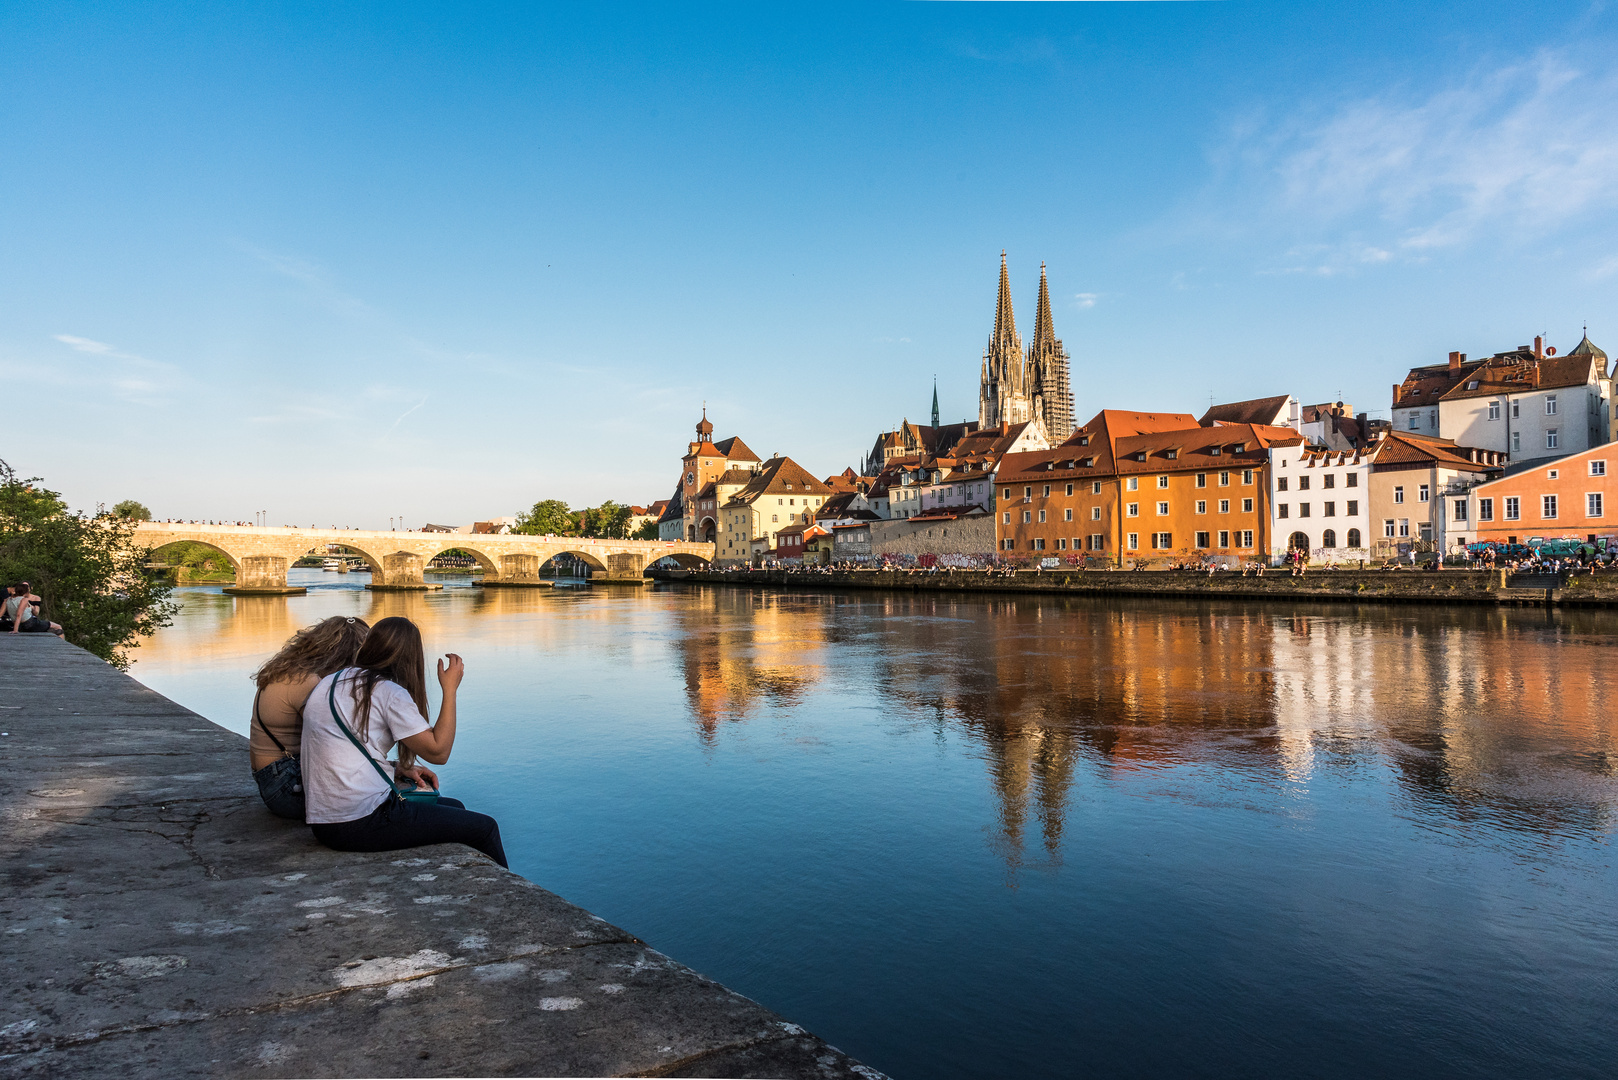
{"type": "Point", "coordinates": [518, 571]}
{"type": "Point", "coordinates": [624, 568]}
{"type": "Point", "coordinates": [263, 575]}
{"type": "Point", "coordinates": [401, 572]}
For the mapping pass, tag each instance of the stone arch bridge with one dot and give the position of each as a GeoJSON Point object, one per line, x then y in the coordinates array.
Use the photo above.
{"type": "Point", "coordinates": [261, 555]}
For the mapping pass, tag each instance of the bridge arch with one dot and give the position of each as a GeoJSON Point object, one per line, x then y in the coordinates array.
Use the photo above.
{"type": "Point", "coordinates": [232, 563]}
{"type": "Point", "coordinates": [594, 562]}
{"type": "Point", "coordinates": [685, 559]}
{"type": "Point", "coordinates": [490, 564]}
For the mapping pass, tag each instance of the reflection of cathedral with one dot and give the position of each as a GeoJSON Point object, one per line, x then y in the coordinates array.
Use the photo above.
{"type": "Point", "coordinates": [1017, 387]}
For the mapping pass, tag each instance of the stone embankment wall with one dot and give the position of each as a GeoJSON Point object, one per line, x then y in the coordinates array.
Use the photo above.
{"type": "Point", "coordinates": [160, 923]}
{"type": "Point", "coordinates": [963, 536]}
{"type": "Point", "coordinates": [1368, 586]}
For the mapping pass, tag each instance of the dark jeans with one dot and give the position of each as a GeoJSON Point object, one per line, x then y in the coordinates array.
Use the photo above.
{"type": "Point", "coordinates": [396, 824]}
{"type": "Point", "coordinates": [280, 785]}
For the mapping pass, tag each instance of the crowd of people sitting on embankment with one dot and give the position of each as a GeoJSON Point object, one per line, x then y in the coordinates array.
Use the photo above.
{"type": "Point", "coordinates": [330, 706]}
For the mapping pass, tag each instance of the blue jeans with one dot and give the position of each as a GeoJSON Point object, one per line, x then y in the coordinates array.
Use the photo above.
{"type": "Point", "coordinates": [280, 785]}
{"type": "Point", "coordinates": [402, 824]}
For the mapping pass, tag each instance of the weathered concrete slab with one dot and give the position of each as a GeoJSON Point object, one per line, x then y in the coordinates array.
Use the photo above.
{"type": "Point", "coordinates": [158, 922]}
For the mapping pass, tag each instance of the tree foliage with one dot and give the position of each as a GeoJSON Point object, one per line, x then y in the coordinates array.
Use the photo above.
{"type": "Point", "coordinates": [132, 510]}
{"type": "Point", "coordinates": [609, 521]}
{"type": "Point", "coordinates": [88, 571]}
{"type": "Point", "coordinates": [647, 531]}
{"type": "Point", "coordinates": [548, 517]}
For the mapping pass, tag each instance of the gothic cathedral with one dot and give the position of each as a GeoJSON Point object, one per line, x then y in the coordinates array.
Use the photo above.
{"type": "Point", "coordinates": [1018, 387]}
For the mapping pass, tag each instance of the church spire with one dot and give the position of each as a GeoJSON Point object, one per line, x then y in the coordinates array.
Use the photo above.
{"type": "Point", "coordinates": [935, 401]}
{"type": "Point", "coordinates": [1043, 332]}
{"type": "Point", "coordinates": [1004, 321]}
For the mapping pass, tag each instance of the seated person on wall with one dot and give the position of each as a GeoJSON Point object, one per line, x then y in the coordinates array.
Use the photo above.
{"type": "Point", "coordinates": [285, 681]}
{"type": "Point", "coordinates": [351, 722]}
{"type": "Point", "coordinates": [22, 612]}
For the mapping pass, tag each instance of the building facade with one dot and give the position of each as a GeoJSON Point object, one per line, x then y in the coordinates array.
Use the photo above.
{"type": "Point", "coordinates": [1550, 500]}
{"type": "Point", "coordinates": [1320, 501]}
{"type": "Point", "coordinates": [1419, 492]}
{"type": "Point", "coordinates": [1018, 387]}
{"type": "Point", "coordinates": [780, 494]}
{"type": "Point", "coordinates": [703, 473]}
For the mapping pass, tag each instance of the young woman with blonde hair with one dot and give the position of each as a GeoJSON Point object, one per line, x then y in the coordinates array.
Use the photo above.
{"type": "Point", "coordinates": [353, 719]}
{"type": "Point", "coordinates": [284, 684]}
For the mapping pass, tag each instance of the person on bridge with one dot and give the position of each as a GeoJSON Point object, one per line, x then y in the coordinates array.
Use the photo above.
{"type": "Point", "coordinates": [382, 702]}
{"type": "Point", "coordinates": [275, 733]}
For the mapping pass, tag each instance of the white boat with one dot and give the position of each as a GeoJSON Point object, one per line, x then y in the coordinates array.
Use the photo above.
{"type": "Point", "coordinates": [331, 566]}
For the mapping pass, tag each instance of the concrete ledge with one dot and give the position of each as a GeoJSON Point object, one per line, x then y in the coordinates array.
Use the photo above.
{"type": "Point", "coordinates": [430, 586]}
{"type": "Point", "coordinates": [265, 590]}
{"type": "Point", "coordinates": [487, 584]}
{"type": "Point", "coordinates": [161, 923]}
{"type": "Point", "coordinates": [636, 581]}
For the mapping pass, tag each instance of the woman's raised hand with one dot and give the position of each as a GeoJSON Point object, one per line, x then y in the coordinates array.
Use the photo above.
{"type": "Point", "coordinates": [451, 671]}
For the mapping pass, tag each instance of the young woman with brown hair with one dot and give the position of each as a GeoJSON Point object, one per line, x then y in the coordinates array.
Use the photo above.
{"type": "Point", "coordinates": [382, 702]}
{"type": "Point", "coordinates": [284, 684]}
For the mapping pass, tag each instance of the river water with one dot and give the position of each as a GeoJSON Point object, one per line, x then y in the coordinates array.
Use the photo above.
{"type": "Point", "coordinates": [1030, 837]}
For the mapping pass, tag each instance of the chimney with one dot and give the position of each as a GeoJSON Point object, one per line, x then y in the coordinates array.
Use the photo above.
{"type": "Point", "coordinates": [1539, 347]}
{"type": "Point", "coordinates": [1005, 427]}
{"type": "Point", "coordinates": [1396, 394]}
{"type": "Point", "coordinates": [1454, 362]}
{"type": "Point", "coordinates": [1536, 375]}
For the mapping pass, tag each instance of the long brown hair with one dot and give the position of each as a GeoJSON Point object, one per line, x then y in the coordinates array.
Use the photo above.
{"type": "Point", "coordinates": [392, 652]}
{"type": "Point", "coordinates": [327, 646]}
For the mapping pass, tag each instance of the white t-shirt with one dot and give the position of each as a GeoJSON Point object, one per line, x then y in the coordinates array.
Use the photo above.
{"type": "Point", "coordinates": [338, 784]}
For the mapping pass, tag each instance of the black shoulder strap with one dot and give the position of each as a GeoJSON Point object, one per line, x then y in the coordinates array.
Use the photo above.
{"type": "Point", "coordinates": [266, 727]}
{"type": "Point", "coordinates": [331, 699]}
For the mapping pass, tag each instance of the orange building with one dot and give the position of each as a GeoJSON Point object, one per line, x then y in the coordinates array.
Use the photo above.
{"type": "Point", "coordinates": [1137, 485]}
{"type": "Point", "coordinates": [1549, 500]}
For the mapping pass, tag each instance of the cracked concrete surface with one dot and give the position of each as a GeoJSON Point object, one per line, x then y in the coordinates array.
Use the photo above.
{"type": "Point", "coordinates": [158, 921]}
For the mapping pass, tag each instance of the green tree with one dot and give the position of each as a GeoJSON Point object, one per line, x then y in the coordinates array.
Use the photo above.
{"type": "Point", "coordinates": [609, 521]}
{"type": "Point", "coordinates": [550, 516]}
{"type": "Point", "coordinates": [647, 531]}
{"type": "Point", "coordinates": [88, 571]}
{"type": "Point", "coordinates": [132, 510]}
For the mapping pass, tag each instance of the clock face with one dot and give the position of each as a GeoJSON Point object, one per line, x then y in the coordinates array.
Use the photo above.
{"type": "Point", "coordinates": [690, 478]}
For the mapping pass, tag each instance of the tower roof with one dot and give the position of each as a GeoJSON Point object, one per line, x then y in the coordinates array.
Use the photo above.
{"type": "Point", "coordinates": [1044, 333]}
{"type": "Point", "coordinates": [704, 428]}
{"type": "Point", "coordinates": [1004, 321]}
{"type": "Point", "coordinates": [1586, 347]}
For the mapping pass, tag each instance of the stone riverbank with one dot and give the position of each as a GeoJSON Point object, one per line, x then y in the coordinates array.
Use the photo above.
{"type": "Point", "coordinates": [160, 923]}
{"type": "Point", "coordinates": [1352, 586]}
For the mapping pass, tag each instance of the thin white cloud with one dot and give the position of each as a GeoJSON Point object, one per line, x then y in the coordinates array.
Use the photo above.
{"type": "Point", "coordinates": [1085, 299]}
{"type": "Point", "coordinates": [1523, 148]}
{"type": "Point", "coordinates": [407, 412]}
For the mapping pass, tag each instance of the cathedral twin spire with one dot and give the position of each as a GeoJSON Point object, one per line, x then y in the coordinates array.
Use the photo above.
{"type": "Point", "coordinates": [1016, 387]}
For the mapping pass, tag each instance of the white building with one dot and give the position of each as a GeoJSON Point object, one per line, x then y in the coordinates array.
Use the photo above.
{"type": "Point", "coordinates": [1527, 403]}
{"type": "Point", "coordinates": [1320, 502]}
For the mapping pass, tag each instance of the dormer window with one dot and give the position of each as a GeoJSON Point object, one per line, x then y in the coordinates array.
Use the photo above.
{"type": "Point", "coordinates": [1473, 385]}
{"type": "Point", "coordinates": [1140, 455]}
{"type": "Point", "coordinates": [1173, 454]}
{"type": "Point", "coordinates": [1214, 450]}
{"type": "Point", "coordinates": [1084, 440]}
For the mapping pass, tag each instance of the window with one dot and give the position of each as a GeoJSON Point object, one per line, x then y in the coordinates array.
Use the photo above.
{"type": "Point", "coordinates": [1494, 410]}
{"type": "Point", "coordinates": [1070, 489]}
{"type": "Point", "coordinates": [1247, 506]}
{"type": "Point", "coordinates": [1162, 509]}
{"type": "Point", "coordinates": [1042, 517]}
{"type": "Point", "coordinates": [1460, 510]}
{"type": "Point", "coordinates": [1329, 510]}
{"type": "Point", "coordinates": [1132, 484]}
{"type": "Point", "coordinates": [1280, 483]}
{"type": "Point", "coordinates": [1473, 385]}
{"type": "Point", "coordinates": [1095, 513]}
{"type": "Point", "coordinates": [1095, 487]}
{"type": "Point", "coordinates": [1387, 527]}
{"type": "Point", "coordinates": [1132, 510]}
{"type": "Point", "coordinates": [1008, 493]}
{"type": "Point", "coordinates": [1353, 510]}
{"type": "Point", "coordinates": [1399, 494]}
{"type": "Point", "coordinates": [1328, 539]}
{"type": "Point", "coordinates": [1281, 510]}
{"type": "Point", "coordinates": [1202, 506]}
{"type": "Point", "coordinates": [1039, 543]}
{"type": "Point", "coordinates": [1047, 491]}
{"type": "Point", "coordinates": [1485, 509]}
{"type": "Point", "coordinates": [1592, 504]}
{"type": "Point", "coordinates": [1162, 481]}
{"type": "Point", "coordinates": [1404, 526]}
{"type": "Point", "coordinates": [1162, 541]}
{"type": "Point", "coordinates": [1224, 479]}
{"type": "Point", "coordinates": [1067, 515]}
{"type": "Point", "coordinates": [1027, 516]}
{"type": "Point", "coordinates": [1028, 493]}
{"type": "Point", "coordinates": [1421, 493]}
{"type": "Point", "coordinates": [1202, 479]}
{"type": "Point", "coordinates": [1547, 506]}
{"type": "Point", "coordinates": [1007, 545]}
{"type": "Point", "coordinates": [1550, 404]}
{"type": "Point", "coordinates": [1061, 543]}
{"type": "Point", "coordinates": [1354, 538]}
{"type": "Point", "coordinates": [1007, 519]}
{"type": "Point", "coordinates": [1247, 478]}
{"type": "Point", "coordinates": [1598, 468]}
{"type": "Point", "coordinates": [1426, 530]}
{"type": "Point", "coordinates": [1513, 508]}
{"type": "Point", "coordinates": [1246, 538]}
{"type": "Point", "coordinates": [1516, 409]}
{"type": "Point", "coordinates": [1202, 540]}
{"type": "Point", "coordinates": [1098, 542]}
{"type": "Point", "coordinates": [1516, 442]}
{"type": "Point", "coordinates": [1328, 481]}
{"type": "Point", "coordinates": [1132, 541]}
{"type": "Point", "coordinates": [1303, 483]}
{"type": "Point", "coordinates": [1550, 439]}
{"type": "Point", "coordinates": [1351, 480]}
{"type": "Point", "coordinates": [1432, 419]}
{"type": "Point", "coordinates": [1224, 538]}
{"type": "Point", "coordinates": [1415, 421]}
{"type": "Point", "coordinates": [775, 517]}
{"type": "Point", "coordinates": [1303, 509]}
{"type": "Point", "coordinates": [1224, 506]}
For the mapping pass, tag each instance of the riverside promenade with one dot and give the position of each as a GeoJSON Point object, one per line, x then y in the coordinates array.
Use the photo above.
{"type": "Point", "coordinates": [160, 923]}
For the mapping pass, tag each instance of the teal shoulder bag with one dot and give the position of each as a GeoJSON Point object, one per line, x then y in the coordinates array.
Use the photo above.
{"type": "Point", "coordinates": [409, 792]}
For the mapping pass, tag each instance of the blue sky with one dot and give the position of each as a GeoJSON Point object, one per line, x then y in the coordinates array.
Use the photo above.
{"type": "Point", "coordinates": [350, 262]}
